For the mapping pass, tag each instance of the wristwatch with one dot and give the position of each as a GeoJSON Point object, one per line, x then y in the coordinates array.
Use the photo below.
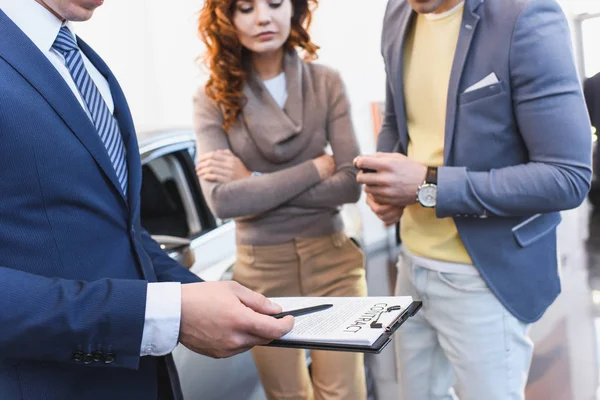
{"type": "Point", "coordinates": [427, 192]}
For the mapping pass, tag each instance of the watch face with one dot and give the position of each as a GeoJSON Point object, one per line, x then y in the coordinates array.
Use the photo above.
{"type": "Point", "coordinates": [428, 195]}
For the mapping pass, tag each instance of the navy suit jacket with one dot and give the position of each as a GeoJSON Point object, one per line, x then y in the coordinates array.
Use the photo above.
{"type": "Point", "coordinates": [74, 259]}
{"type": "Point", "coordinates": [515, 152]}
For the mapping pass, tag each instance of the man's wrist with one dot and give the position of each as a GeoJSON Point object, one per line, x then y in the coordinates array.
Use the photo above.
{"type": "Point", "coordinates": [162, 319]}
{"type": "Point", "coordinates": [427, 191]}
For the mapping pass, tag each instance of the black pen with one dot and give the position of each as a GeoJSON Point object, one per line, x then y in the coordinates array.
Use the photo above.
{"type": "Point", "coordinates": [303, 311]}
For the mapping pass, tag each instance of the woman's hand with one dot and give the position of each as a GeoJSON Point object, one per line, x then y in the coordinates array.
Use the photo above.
{"type": "Point", "coordinates": [221, 166]}
{"type": "Point", "coordinates": [325, 165]}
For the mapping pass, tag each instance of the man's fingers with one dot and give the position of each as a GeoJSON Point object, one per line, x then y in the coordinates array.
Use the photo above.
{"type": "Point", "coordinates": [391, 218]}
{"type": "Point", "coordinates": [267, 327]}
{"type": "Point", "coordinates": [256, 333]}
{"type": "Point", "coordinates": [372, 178]}
{"type": "Point", "coordinates": [371, 201]}
{"type": "Point", "coordinates": [378, 162]}
{"type": "Point", "coordinates": [386, 215]}
{"type": "Point", "coordinates": [382, 207]}
{"type": "Point", "coordinates": [256, 318]}
{"type": "Point", "coordinates": [383, 195]}
{"type": "Point", "coordinates": [391, 222]}
{"type": "Point", "coordinates": [379, 191]}
{"type": "Point", "coordinates": [386, 200]}
{"type": "Point", "coordinates": [255, 301]}
{"type": "Point", "coordinates": [379, 208]}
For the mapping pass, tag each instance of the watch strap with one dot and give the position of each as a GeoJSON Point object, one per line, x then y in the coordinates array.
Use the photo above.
{"type": "Point", "coordinates": [431, 176]}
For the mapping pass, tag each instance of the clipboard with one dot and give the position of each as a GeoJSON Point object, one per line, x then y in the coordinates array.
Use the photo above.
{"type": "Point", "coordinates": [375, 348]}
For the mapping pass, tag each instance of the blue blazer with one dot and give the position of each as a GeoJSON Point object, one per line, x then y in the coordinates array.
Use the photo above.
{"type": "Point", "coordinates": [516, 152]}
{"type": "Point", "coordinates": [74, 259]}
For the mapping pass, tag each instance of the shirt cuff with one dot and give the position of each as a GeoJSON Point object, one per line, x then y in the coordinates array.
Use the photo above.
{"type": "Point", "coordinates": [163, 316]}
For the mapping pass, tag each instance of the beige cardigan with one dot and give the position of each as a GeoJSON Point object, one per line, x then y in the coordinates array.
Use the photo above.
{"type": "Point", "coordinates": [288, 200]}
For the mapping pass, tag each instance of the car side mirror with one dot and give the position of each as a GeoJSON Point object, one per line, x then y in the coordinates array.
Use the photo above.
{"type": "Point", "coordinates": [177, 248]}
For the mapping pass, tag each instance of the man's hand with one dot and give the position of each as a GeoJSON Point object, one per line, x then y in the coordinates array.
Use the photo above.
{"type": "Point", "coordinates": [221, 166]}
{"type": "Point", "coordinates": [389, 214]}
{"type": "Point", "coordinates": [221, 319]}
{"type": "Point", "coordinates": [396, 180]}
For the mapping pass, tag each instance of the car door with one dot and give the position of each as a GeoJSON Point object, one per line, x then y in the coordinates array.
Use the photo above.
{"type": "Point", "coordinates": [175, 213]}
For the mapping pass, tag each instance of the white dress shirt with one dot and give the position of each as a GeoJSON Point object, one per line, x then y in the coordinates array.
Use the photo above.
{"type": "Point", "coordinates": [163, 300]}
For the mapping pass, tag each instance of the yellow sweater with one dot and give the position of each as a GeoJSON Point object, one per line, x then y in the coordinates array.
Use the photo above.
{"type": "Point", "coordinates": [428, 57]}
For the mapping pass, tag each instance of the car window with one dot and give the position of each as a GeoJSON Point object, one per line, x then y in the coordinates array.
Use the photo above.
{"type": "Point", "coordinates": [171, 200]}
{"type": "Point", "coordinates": [218, 221]}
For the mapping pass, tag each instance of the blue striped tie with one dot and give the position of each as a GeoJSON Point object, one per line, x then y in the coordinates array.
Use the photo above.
{"type": "Point", "coordinates": [105, 123]}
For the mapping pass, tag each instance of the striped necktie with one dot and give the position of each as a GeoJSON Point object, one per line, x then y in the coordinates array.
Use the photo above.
{"type": "Point", "coordinates": [105, 123]}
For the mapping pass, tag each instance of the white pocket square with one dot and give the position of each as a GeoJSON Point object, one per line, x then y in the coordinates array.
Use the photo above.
{"type": "Point", "coordinates": [487, 81]}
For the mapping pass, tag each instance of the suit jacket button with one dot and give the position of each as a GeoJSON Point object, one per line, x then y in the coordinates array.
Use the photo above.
{"type": "Point", "coordinates": [109, 358]}
{"type": "Point", "coordinates": [77, 356]}
{"type": "Point", "coordinates": [87, 358]}
{"type": "Point", "coordinates": [98, 356]}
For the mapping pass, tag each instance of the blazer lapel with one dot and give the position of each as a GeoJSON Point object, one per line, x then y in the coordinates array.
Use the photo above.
{"type": "Point", "coordinates": [123, 116]}
{"type": "Point", "coordinates": [465, 38]}
{"type": "Point", "coordinates": [17, 50]}
{"type": "Point", "coordinates": [397, 55]}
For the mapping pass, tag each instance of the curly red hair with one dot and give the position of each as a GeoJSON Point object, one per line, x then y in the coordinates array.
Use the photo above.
{"type": "Point", "coordinates": [226, 58]}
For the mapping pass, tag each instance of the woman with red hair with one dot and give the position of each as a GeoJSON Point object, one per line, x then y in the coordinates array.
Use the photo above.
{"type": "Point", "coordinates": [263, 124]}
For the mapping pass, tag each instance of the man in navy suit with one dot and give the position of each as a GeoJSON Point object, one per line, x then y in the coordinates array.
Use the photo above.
{"type": "Point", "coordinates": [485, 139]}
{"type": "Point", "coordinates": [91, 305]}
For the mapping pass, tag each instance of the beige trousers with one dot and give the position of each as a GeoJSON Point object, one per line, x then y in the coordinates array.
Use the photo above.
{"type": "Point", "coordinates": [325, 266]}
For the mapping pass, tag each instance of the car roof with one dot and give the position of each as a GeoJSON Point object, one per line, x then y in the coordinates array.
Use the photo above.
{"type": "Point", "coordinates": [152, 139]}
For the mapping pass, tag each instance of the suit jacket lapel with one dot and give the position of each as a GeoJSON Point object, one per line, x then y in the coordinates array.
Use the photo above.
{"type": "Point", "coordinates": [465, 38]}
{"type": "Point", "coordinates": [17, 50]}
{"type": "Point", "coordinates": [397, 55]}
{"type": "Point", "coordinates": [123, 117]}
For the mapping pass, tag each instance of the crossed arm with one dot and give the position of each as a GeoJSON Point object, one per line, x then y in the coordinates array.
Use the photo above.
{"type": "Point", "coordinates": [319, 183]}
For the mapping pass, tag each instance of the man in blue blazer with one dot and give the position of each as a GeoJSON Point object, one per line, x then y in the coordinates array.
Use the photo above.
{"type": "Point", "coordinates": [91, 305]}
{"type": "Point", "coordinates": [485, 139]}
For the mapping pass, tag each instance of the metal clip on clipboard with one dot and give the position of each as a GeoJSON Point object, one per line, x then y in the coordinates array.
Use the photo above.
{"type": "Point", "coordinates": [399, 320]}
